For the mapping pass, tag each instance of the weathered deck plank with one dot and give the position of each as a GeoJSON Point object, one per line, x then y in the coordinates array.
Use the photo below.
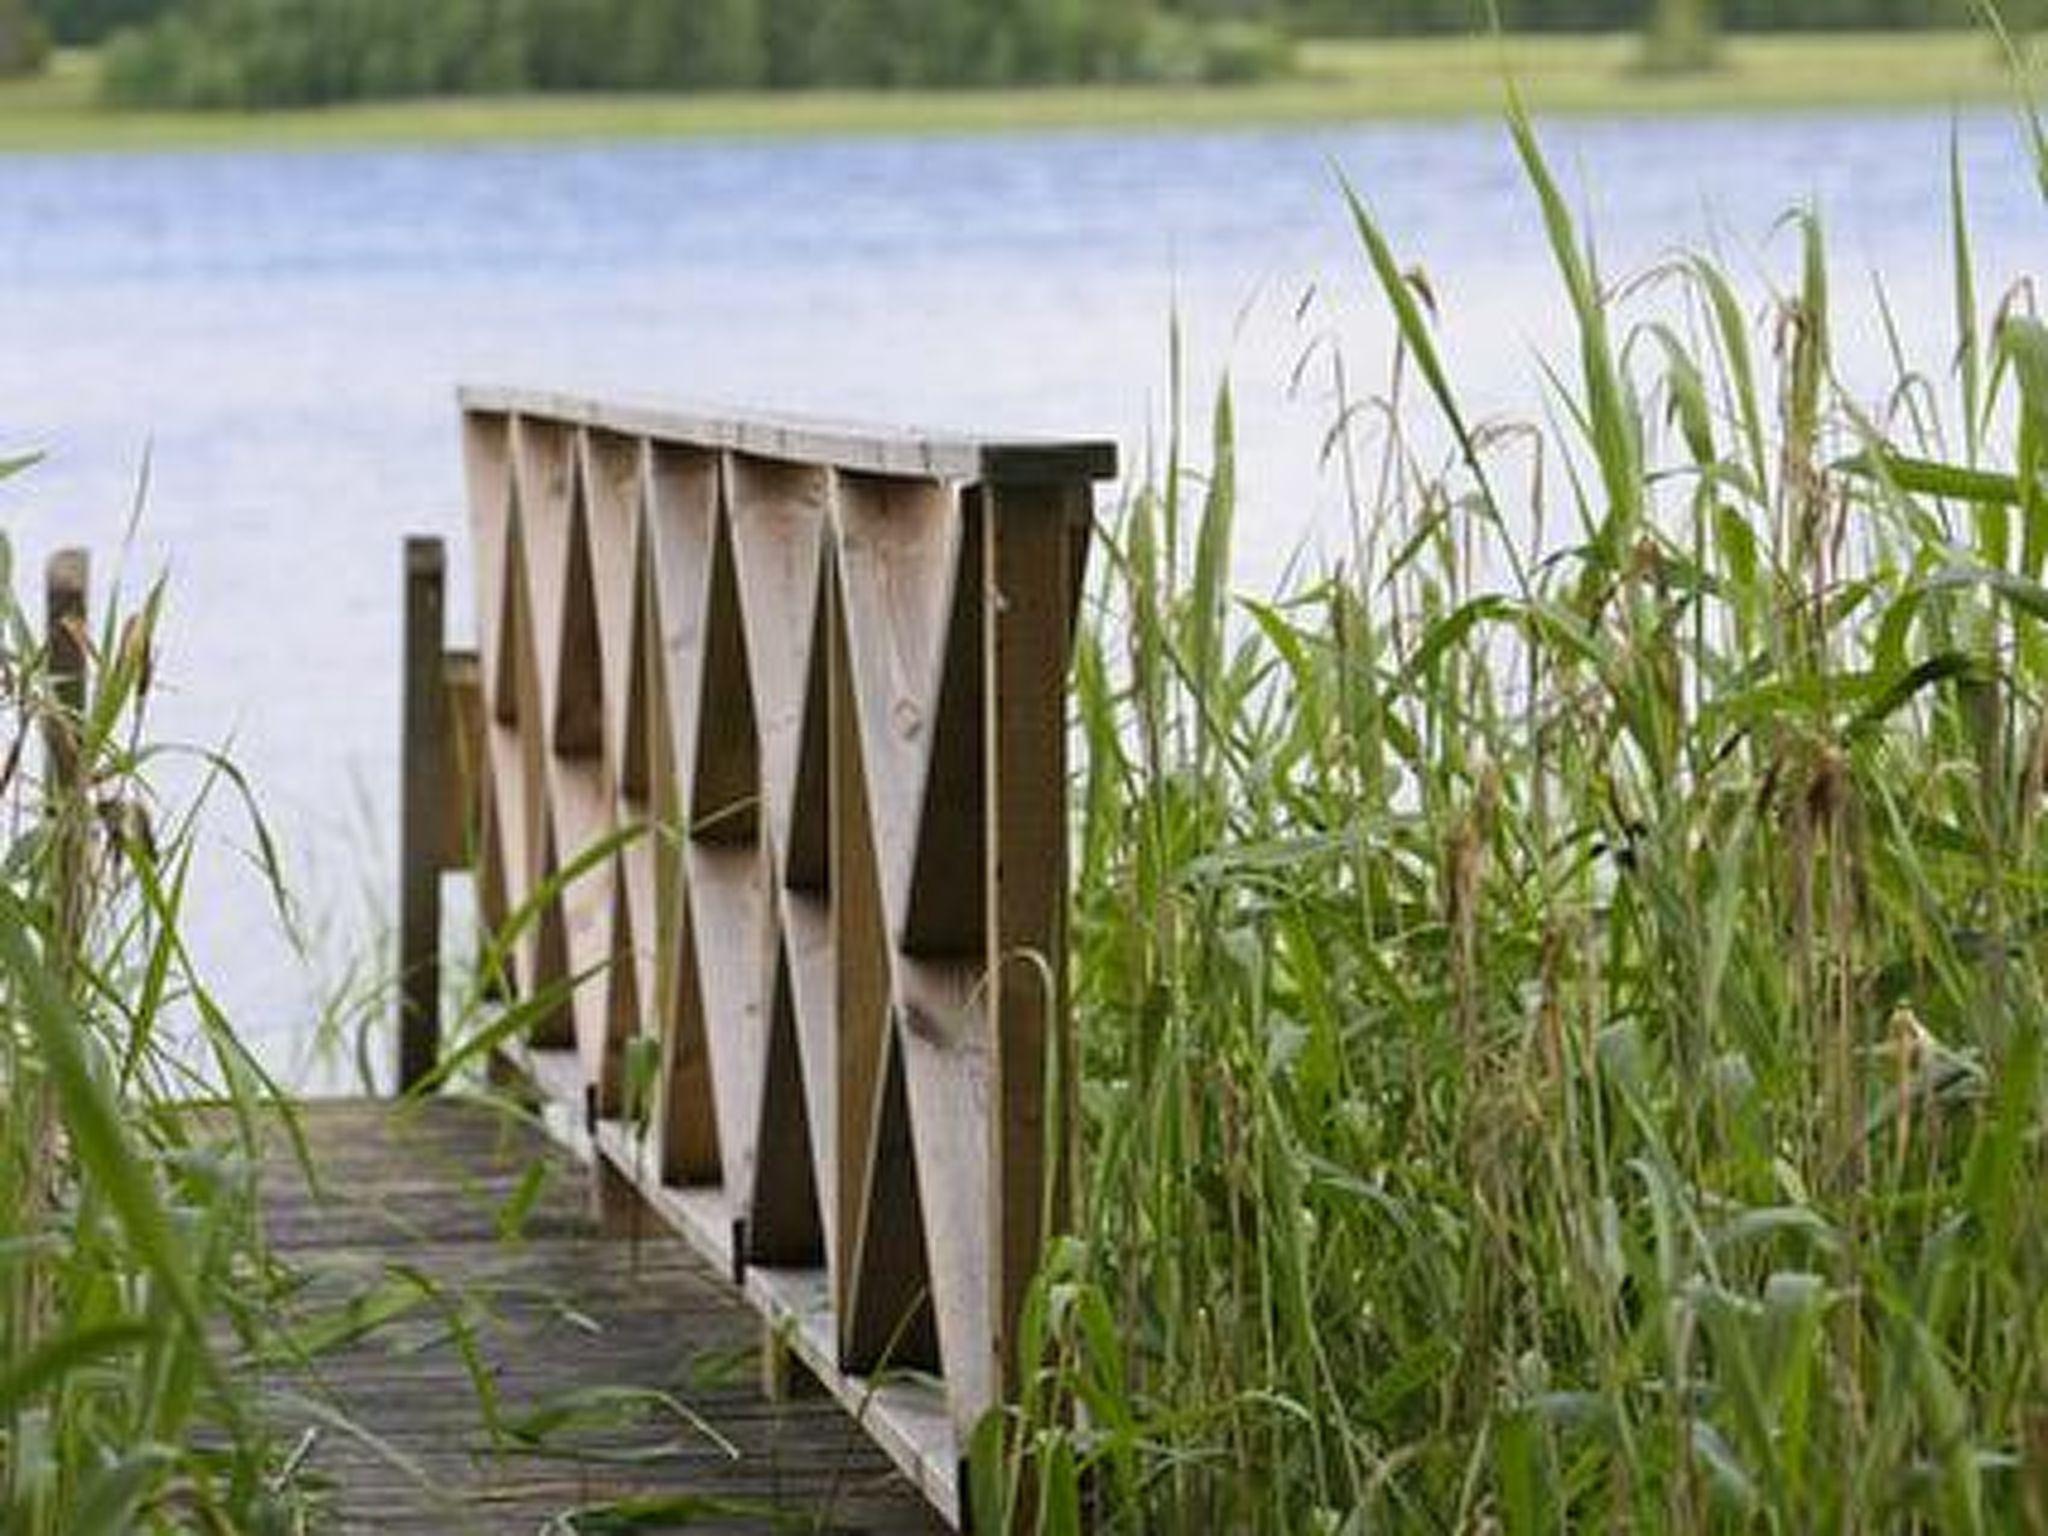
{"type": "Point", "coordinates": [555, 1311]}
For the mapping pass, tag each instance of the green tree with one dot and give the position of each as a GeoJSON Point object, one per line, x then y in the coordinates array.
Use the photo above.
{"type": "Point", "coordinates": [73, 22]}
{"type": "Point", "coordinates": [708, 44]}
{"type": "Point", "coordinates": [273, 53]}
{"type": "Point", "coordinates": [24, 41]}
{"type": "Point", "coordinates": [796, 39]}
{"type": "Point", "coordinates": [1681, 35]}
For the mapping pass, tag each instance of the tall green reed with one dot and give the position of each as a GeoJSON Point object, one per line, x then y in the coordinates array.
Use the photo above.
{"type": "Point", "coordinates": [1562, 990]}
{"type": "Point", "coordinates": [133, 1278]}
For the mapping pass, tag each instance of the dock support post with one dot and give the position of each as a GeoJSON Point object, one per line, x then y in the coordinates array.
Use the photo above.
{"type": "Point", "coordinates": [423, 805]}
{"type": "Point", "coordinates": [1032, 555]}
{"type": "Point", "coordinates": [1031, 564]}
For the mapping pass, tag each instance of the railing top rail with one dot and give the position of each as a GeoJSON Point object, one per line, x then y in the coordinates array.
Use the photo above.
{"type": "Point", "coordinates": [862, 449]}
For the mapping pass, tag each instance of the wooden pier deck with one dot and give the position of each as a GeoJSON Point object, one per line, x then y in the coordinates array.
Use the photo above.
{"type": "Point", "coordinates": [625, 1372]}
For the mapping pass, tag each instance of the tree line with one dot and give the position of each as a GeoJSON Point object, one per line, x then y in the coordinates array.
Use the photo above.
{"type": "Point", "coordinates": [90, 21]}
{"type": "Point", "coordinates": [255, 53]}
{"type": "Point", "coordinates": [1399, 17]}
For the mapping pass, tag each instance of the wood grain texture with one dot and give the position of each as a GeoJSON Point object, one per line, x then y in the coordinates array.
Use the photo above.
{"type": "Point", "coordinates": [825, 669]}
{"type": "Point", "coordinates": [797, 439]}
{"type": "Point", "coordinates": [424, 832]}
{"type": "Point", "coordinates": [555, 1312]}
{"type": "Point", "coordinates": [860, 981]}
{"type": "Point", "coordinates": [461, 808]}
{"type": "Point", "coordinates": [1026, 610]}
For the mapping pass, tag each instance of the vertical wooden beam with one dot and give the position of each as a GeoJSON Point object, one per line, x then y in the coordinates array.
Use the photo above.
{"type": "Point", "coordinates": [422, 807]}
{"type": "Point", "coordinates": [616, 1206]}
{"type": "Point", "coordinates": [462, 828]}
{"type": "Point", "coordinates": [1027, 572]}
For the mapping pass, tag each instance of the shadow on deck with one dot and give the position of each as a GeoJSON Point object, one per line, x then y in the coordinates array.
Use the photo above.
{"type": "Point", "coordinates": [625, 1372]}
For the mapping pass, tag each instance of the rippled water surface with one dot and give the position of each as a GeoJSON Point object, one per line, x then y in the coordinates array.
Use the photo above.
{"type": "Point", "coordinates": [279, 336]}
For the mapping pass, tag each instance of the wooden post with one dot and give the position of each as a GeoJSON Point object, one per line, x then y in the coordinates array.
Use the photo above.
{"type": "Point", "coordinates": [1028, 569]}
{"type": "Point", "coordinates": [423, 801]}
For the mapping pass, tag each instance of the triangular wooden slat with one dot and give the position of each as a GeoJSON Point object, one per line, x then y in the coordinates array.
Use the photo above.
{"type": "Point", "coordinates": [888, 1321]}
{"type": "Point", "coordinates": [494, 532]}
{"type": "Point", "coordinates": [578, 654]}
{"type": "Point", "coordinates": [623, 1014]}
{"type": "Point", "coordinates": [529, 765]}
{"type": "Point", "coordinates": [549, 969]}
{"type": "Point", "coordinates": [614, 487]}
{"type": "Point", "coordinates": [487, 479]}
{"type": "Point", "coordinates": [726, 893]}
{"type": "Point", "coordinates": [807, 920]}
{"type": "Point", "coordinates": [518, 757]}
{"type": "Point", "coordinates": [514, 627]}
{"type": "Point", "coordinates": [582, 818]}
{"type": "Point", "coordinates": [725, 780]}
{"type": "Point", "coordinates": [639, 919]}
{"type": "Point", "coordinates": [662, 846]}
{"type": "Point", "coordinates": [807, 857]}
{"type": "Point", "coordinates": [682, 512]}
{"type": "Point", "coordinates": [899, 545]}
{"type": "Point", "coordinates": [807, 940]}
{"type": "Point", "coordinates": [862, 983]}
{"type": "Point", "coordinates": [549, 491]}
{"type": "Point", "coordinates": [783, 1223]}
{"type": "Point", "coordinates": [946, 913]}
{"type": "Point", "coordinates": [638, 729]}
{"type": "Point", "coordinates": [943, 1040]}
{"type": "Point", "coordinates": [777, 522]}
{"type": "Point", "coordinates": [688, 1111]}
{"type": "Point", "coordinates": [518, 855]}
{"type": "Point", "coordinates": [459, 845]}
{"type": "Point", "coordinates": [493, 854]}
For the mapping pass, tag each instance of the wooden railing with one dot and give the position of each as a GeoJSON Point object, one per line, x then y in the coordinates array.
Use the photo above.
{"type": "Point", "coordinates": [812, 680]}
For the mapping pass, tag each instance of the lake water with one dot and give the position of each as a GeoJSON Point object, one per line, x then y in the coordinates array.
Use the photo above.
{"type": "Point", "coordinates": [281, 334]}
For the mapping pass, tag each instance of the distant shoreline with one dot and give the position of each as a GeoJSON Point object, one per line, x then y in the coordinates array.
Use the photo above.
{"type": "Point", "coordinates": [1377, 80]}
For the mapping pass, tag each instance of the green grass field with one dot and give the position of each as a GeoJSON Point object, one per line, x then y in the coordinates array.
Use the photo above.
{"type": "Point", "coordinates": [1338, 81]}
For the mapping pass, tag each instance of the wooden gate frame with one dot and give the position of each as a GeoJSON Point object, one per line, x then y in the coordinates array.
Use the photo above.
{"type": "Point", "coordinates": [811, 680]}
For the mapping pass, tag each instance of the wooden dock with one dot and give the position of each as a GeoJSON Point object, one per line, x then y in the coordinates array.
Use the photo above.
{"type": "Point", "coordinates": [758, 764]}
{"type": "Point", "coordinates": [625, 1372]}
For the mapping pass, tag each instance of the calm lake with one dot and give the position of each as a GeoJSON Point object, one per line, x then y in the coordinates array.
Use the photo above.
{"type": "Point", "coordinates": [279, 337]}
